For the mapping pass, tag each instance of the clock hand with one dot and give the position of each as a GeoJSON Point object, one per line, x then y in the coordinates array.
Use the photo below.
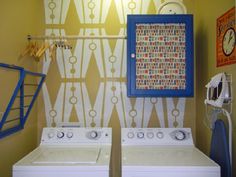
{"type": "Point", "coordinates": [230, 37]}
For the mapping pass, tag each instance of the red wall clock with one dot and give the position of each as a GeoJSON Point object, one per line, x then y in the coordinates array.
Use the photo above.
{"type": "Point", "coordinates": [226, 39]}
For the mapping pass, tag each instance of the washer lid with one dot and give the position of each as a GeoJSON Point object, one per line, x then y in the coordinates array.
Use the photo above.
{"type": "Point", "coordinates": [168, 156]}
{"type": "Point", "coordinates": [69, 155]}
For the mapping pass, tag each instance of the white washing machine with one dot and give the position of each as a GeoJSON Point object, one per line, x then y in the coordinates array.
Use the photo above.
{"type": "Point", "coordinates": [163, 152]}
{"type": "Point", "coordinates": [68, 152]}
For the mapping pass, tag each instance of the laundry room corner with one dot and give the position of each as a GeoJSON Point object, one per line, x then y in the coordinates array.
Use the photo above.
{"type": "Point", "coordinates": [82, 47]}
{"type": "Point", "coordinates": [18, 18]}
{"type": "Point", "coordinates": [206, 66]}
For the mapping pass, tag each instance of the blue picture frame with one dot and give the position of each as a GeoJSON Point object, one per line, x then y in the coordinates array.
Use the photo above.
{"type": "Point", "coordinates": [133, 21]}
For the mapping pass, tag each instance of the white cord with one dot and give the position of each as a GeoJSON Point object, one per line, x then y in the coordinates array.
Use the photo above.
{"type": "Point", "coordinates": [230, 133]}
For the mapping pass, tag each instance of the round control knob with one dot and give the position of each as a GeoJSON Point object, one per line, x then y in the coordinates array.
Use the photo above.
{"type": "Point", "coordinates": [60, 134]}
{"type": "Point", "coordinates": [93, 134]}
{"type": "Point", "coordinates": [150, 135]}
{"type": "Point", "coordinates": [69, 135]}
{"type": "Point", "coordinates": [130, 135]}
{"type": "Point", "coordinates": [179, 135]}
{"type": "Point", "coordinates": [160, 135]}
{"type": "Point", "coordinates": [51, 135]}
{"type": "Point", "coordinates": [140, 135]}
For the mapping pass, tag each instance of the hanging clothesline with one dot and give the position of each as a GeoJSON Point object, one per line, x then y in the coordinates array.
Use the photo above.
{"type": "Point", "coordinates": [30, 37]}
{"type": "Point", "coordinates": [36, 50]}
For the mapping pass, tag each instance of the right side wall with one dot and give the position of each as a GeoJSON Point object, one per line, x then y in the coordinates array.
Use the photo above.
{"type": "Point", "coordinates": [206, 14]}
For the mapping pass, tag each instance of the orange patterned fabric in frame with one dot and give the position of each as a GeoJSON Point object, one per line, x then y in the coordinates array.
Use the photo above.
{"type": "Point", "coordinates": [225, 40]}
{"type": "Point", "coordinates": [160, 56]}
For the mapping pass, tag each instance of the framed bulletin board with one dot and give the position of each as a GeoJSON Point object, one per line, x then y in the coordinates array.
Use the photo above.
{"type": "Point", "coordinates": [160, 56]}
{"type": "Point", "coordinates": [226, 39]}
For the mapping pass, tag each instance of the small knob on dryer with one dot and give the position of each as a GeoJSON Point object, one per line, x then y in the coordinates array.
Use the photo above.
{"type": "Point", "coordinates": [180, 135]}
{"type": "Point", "coordinates": [51, 135]}
{"type": "Point", "coordinates": [150, 135]}
{"type": "Point", "coordinates": [130, 135]}
{"type": "Point", "coordinates": [160, 135]}
{"type": "Point", "coordinates": [93, 134]}
{"type": "Point", "coordinates": [140, 135]}
{"type": "Point", "coordinates": [69, 135]}
{"type": "Point", "coordinates": [60, 134]}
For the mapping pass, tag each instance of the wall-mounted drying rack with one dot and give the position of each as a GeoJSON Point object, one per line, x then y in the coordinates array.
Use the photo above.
{"type": "Point", "coordinates": [20, 103]}
{"type": "Point", "coordinates": [30, 37]}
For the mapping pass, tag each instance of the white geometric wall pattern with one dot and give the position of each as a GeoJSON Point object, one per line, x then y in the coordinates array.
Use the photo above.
{"type": "Point", "coordinates": [109, 96]}
{"type": "Point", "coordinates": [76, 65]}
{"type": "Point", "coordinates": [56, 11]}
{"type": "Point", "coordinates": [76, 95]}
{"type": "Point", "coordinates": [92, 46]}
{"type": "Point", "coordinates": [53, 112]}
{"type": "Point", "coordinates": [116, 60]}
{"type": "Point", "coordinates": [92, 11]}
{"type": "Point", "coordinates": [134, 114]}
{"type": "Point", "coordinates": [93, 113]}
{"type": "Point", "coordinates": [113, 98]}
{"type": "Point", "coordinates": [68, 96]}
{"type": "Point", "coordinates": [176, 112]}
{"type": "Point", "coordinates": [157, 104]}
{"type": "Point", "coordinates": [125, 7]}
{"type": "Point", "coordinates": [47, 59]}
{"type": "Point", "coordinates": [73, 101]}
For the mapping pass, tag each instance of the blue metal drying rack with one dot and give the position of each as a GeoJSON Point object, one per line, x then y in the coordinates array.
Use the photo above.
{"type": "Point", "coordinates": [19, 93]}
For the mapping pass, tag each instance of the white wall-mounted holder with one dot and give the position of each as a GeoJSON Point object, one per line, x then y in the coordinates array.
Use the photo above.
{"type": "Point", "coordinates": [219, 92]}
{"type": "Point", "coordinates": [219, 99]}
{"type": "Point", "coordinates": [172, 7]}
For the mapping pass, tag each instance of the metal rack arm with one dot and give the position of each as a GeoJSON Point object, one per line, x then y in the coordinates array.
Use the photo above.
{"type": "Point", "coordinates": [74, 37]}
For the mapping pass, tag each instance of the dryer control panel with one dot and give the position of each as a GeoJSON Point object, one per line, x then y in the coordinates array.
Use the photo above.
{"type": "Point", "coordinates": [156, 136]}
{"type": "Point", "coordinates": [76, 136]}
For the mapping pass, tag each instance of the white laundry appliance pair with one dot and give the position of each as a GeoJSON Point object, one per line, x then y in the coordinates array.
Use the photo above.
{"type": "Point", "coordinates": [86, 152]}
{"type": "Point", "coordinates": [68, 152]}
{"type": "Point", "coordinates": [163, 152]}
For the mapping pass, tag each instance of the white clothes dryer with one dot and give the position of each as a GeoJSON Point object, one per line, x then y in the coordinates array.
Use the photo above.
{"type": "Point", "coordinates": [68, 152]}
{"type": "Point", "coordinates": [163, 152]}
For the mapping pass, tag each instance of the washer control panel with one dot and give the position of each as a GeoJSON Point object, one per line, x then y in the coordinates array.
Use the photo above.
{"type": "Point", "coordinates": [76, 136]}
{"type": "Point", "coordinates": [156, 136]}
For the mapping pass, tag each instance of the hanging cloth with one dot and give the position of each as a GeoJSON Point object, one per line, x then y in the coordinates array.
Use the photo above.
{"type": "Point", "coordinates": [220, 149]}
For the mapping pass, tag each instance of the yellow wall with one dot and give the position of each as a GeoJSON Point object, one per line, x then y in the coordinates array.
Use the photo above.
{"type": "Point", "coordinates": [17, 18]}
{"type": "Point", "coordinates": [27, 17]}
{"type": "Point", "coordinates": [205, 35]}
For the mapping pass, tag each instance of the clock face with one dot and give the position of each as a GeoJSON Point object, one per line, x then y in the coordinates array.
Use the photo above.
{"type": "Point", "coordinates": [172, 8]}
{"type": "Point", "coordinates": [228, 43]}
